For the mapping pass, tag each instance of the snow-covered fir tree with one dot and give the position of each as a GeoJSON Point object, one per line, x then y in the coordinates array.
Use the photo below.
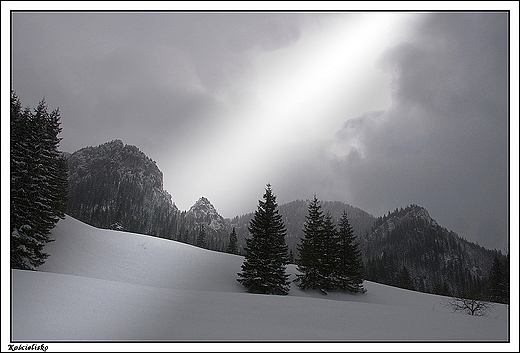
{"type": "Point", "coordinates": [349, 270]}
{"type": "Point", "coordinates": [405, 280]}
{"type": "Point", "coordinates": [38, 182]}
{"type": "Point", "coordinates": [498, 283]}
{"type": "Point", "coordinates": [329, 259]}
{"type": "Point", "coordinates": [329, 254]}
{"type": "Point", "coordinates": [232, 246]}
{"type": "Point", "coordinates": [311, 250]}
{"type": "Point", "coordinates": [263, 269]}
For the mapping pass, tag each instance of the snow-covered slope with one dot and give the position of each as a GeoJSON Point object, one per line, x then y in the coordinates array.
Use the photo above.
{"type": "Point", "coordinates": [109, 285]}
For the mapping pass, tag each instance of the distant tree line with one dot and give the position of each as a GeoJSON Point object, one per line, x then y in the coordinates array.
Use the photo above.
{"type": "Point", "coordinates": [232, 247]}
{"type": "Point", "coordinates": [38, 182]}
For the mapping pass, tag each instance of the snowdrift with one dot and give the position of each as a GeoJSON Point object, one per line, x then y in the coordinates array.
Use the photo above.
{"type": "Point", "coordinates": [103, 285]}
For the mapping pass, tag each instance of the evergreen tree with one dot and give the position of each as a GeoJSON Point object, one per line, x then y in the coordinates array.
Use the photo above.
{"type": "Point", "coordinates": [201, 238]}
{"type": "Point", "coordinates": [445, 289]}
{"type": "Point", "coordinates": [310, 248]}
{"type": "Point", "coordinates": [371, 270]}
{"type": "Point", "coordinates": [405, 279]}
{"type": "Point", "coordinates": [498, 283]}
{"type": "Point", "coordinates": [118, 220]}
{"type": "Point", "coordinates": [232, 247]}
{"type": "Point", "coordinates": [349, 270]}
{"type": "Point", "coordinates": [263, 270]}
{"type": "Point", "coordinates": [329, 254]}
{"type": "Point", "coordinates": [23, 243]}
{"type": "Point", "coordinates": [38, 182]}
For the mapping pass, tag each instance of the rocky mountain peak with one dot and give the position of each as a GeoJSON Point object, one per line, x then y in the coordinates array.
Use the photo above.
{"type": "Point", "coordinates": [203, 212]}
{"type": "Point", "coordinates": [117, 159]}
{"type": "Point", "coordinates": [410, 214]}
{"type": "Point", "coordinates": [414, 212]}
{"type": "Point", "coordinates": [203, 203]}
{"type": "Point", "coordinates": [114, 185]}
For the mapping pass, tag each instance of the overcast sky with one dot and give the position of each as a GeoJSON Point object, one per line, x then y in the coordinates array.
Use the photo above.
{"type": "Point", "coordinates": [378, 110]}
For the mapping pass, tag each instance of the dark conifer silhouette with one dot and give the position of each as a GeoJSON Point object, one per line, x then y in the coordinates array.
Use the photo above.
{"type": "Point", "coordinates": [349, 275]}
{"type": "Point", "coordinates": [232, 246]}
{"type": "Point", "coordinates": [263, 270]}
{"type": "Point", "coordinates": [329, 254]}
{"type": "Point", "coordinates": [310, 249]}
{"type": "Point", "coordinates": [201, 238]}
{"type": "Point", "coordinates": [405, 279]}
{"type": "Point", "coordinates": [498, 283]}
{"type": "Point", "coordinates": [38, 182]}
{"type": "Point", "coordinates": [329, 258]}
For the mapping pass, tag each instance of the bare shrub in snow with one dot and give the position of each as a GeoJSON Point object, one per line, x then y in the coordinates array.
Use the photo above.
{"type": "Point", "coordinates": [471, 307]}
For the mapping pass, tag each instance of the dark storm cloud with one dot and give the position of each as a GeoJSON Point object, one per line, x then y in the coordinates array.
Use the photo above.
{"type": "Point", "coordinates": [170, 83]}
{"type": "Point", "coordinates": [131, 75]}
{"type": "Point", "coordinates": [444, 142]}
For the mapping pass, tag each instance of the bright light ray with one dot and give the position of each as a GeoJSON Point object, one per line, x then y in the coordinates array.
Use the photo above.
{"type": "Point", "coordinates": [306, 92]}
{"type": "Point", "coordinates": [308, 82]}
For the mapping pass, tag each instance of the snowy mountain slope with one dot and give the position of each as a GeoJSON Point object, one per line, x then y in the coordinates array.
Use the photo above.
{"type": "Point", "coordinates": [87, 251]}
{"type": "Point", "coordinates": [109, 285]}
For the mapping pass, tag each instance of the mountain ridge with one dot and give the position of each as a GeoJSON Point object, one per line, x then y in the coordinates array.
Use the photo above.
{"type": "Point", "coordinates": [117, 186]}
{"type": "Point", "coordinates": [438, 260]}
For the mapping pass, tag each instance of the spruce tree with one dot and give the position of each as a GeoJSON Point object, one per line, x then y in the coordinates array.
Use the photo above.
{"type": "Point", "coordinates": [263, 269]}
{"type": "Point", "coordinates": [498, 283]}
{"type": "Point", "coordinates": [310, 250]}
{"type": "Point", "coordinates": [349, 268]}
{"type": "Point", "coordinates": [405, 279]}
{"type": "Point", "coordinates": [25, 253]}
{"type": "Point", "coordinates": [232, 246]}
{"type": "Point", "coordinates": [329, 254]}
{"type": "Point", "coordinates": [38, 182]}
{"type": "Point", "coordinates": [201, 238]}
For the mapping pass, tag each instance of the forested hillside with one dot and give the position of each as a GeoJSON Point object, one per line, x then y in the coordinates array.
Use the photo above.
{"type": "Point", "coordinates": [117, 186]}
{"type": "Point", "coordinates": [407, 248]}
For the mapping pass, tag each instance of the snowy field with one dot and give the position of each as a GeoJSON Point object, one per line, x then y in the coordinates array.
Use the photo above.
{"type": "Point", "coordinates": [102, 285]}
